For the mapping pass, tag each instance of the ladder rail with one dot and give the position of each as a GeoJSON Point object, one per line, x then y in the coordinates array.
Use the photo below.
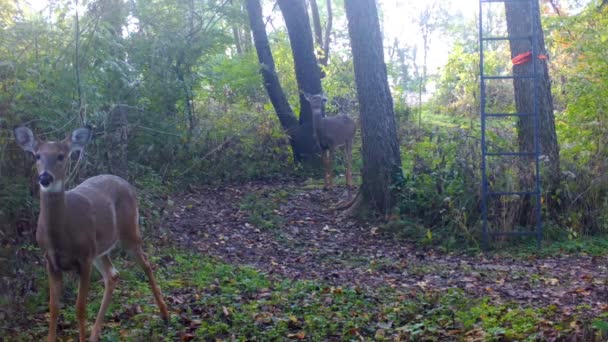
{"type": "Point", "coordinates": [534, 42]}
{"type": "Point", "coordinates": [534, 77]}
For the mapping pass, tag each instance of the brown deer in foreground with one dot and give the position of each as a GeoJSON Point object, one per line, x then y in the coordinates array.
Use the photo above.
{"type": "Point", "coordinates": [332, 132]}
{"type": "Point", "coordinates": [79, 228]}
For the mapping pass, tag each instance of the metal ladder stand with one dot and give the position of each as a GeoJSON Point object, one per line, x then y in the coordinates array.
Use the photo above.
{"type": "Point", "coordinates": [488, 193]}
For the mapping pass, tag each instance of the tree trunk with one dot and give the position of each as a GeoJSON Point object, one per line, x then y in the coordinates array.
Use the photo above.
{"type": "Point", "coordinates": [381, 157]}
{"type": "Point", "coordinates": [308, 74]}
{"type": "Point", "coordinates": [522, 19]}
{"type": "Point", "coordinates": [301, 135]}
{"type": "Point", "coordinates": [288, 120]}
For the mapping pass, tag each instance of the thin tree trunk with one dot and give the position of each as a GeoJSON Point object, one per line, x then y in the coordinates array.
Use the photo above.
{"type": "Point", "coordinates": [316, 19]}
{"type": "Point", "coordinates": [327, 40]}
{"type": "Point", "coordinates": [77, 67]}
{"type": "Point", "coordinates": [236, 35]}
{"type": "Point", "coordinates": [322, 43]}
{"type": "Point", "coordinates": [382, 171]}
{"type": "Point", "coordinates": [237, 40]}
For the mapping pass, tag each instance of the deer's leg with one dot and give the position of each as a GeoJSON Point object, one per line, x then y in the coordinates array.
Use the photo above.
{"type": "Point", "coordinates": [348, 155]}
{"type": "Point", "coordinates": [330, 167]}
{"type": "Point", "coordinates": [327, 164]}
{"type": "Point", "coordinates": [110, 279]}
{"type": "Point", "coordinates": [142, 260]}
{"type": "Point", "coordinates": [325, 158]}
{"type": "Point", "coordinates": [81, 301]}
{"type": "Point", "coordinates": [55, 284]}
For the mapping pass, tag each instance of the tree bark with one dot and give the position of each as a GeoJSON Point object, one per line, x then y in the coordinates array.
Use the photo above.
{"type": "Point", "coordinates": [522, 19]}
{"type": "Point", "coordinates": [288, 120]}
{"type": "Point", "coordinates": [382, 170]}
{"type": "Point", "coordinates": [307, 74]}
{"type": "Point", "coordinates": [302, 47]}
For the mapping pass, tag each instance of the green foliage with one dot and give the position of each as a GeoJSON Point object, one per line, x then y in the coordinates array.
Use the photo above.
{"type": "Point", "coordinates": [580, 70]}
{"type": "Point", "coordinates": [212, 300]}
{"type": "Point", "coordinates": [439, 196]}
{"type": "Point", "coordinates": [595, 246]}
{"type": "Point", "coordinates": [15, 198]}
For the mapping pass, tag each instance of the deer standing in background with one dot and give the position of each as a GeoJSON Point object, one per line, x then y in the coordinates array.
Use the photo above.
{"type": "Point", "coordinates": [79, 228]}
{"type": "Point", "coordinates": [331, 132]}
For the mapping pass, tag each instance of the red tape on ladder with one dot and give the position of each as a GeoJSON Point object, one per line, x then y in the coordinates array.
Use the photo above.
{"type": "Point", "coordinates": [525, 57]}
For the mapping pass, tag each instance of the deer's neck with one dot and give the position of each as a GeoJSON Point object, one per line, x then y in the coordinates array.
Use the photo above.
{"type": "Point", "coordinates": [53, 214]}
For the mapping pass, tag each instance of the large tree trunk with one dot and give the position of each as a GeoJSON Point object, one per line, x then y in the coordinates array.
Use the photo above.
{"type": "Point", "coordinates": [381, 156]}
{"type": "Point", "coordinates": [522, 19]}
{"type": "Point", "coordinates": [288, 120]}
{"type": "Point", "coordinates": [308, 74]}
{"type": "Point", "coordinates": [306, 68]}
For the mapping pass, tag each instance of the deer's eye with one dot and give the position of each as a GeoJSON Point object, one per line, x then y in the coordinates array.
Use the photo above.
{"type": "Point", "coordinates": [60, 157]}
{"type": "Point", "coordinates": [37, 156]}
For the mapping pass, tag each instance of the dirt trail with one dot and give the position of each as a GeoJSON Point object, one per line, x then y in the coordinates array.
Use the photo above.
{"type": "Point", "coordinates": [312, 243]}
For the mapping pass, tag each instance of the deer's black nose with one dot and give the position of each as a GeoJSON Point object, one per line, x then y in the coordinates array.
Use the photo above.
{"type": "Point", "coordinates": [45, 179]}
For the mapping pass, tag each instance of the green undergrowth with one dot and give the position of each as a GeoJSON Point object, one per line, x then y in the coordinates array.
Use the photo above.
{"type": "Point", "coordinates": [210, 300]}
{"type": "Point", "coordinates": [590, 245]}
{"type": "Point", "coordinates": [556, 242]}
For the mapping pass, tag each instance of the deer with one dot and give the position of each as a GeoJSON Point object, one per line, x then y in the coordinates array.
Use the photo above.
{"type": "Point", "coordinates": [329, 133]}
{"type": "Point", "coordinates": [80, 227]}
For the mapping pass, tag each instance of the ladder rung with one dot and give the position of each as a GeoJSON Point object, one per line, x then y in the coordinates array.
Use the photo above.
{"type": "Point", "coordinates": [515, 233]}
{"type": "Point", "coordinates": [513, 193]}
{"type": "Point", "coordinates": [505, 38]}
{"type": "Point", "coordinates": [507, 77]}
{"type": "Point", "coordinates": [499, 115]}
{"type": "Point", "coordinates": [510, 154]}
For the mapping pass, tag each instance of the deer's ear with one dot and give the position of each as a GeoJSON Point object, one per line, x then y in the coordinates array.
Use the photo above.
{"type": "Point", "coordinates": [25, 138]}
{"type": "Point", "coordinates": [307, 96]}
{"type": "Point", "coordinates": [79, 139]}
{"type": "Point", "coordinates": [324, 99]}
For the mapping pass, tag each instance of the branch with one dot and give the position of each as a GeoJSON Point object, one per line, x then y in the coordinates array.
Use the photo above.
{"type": "Point", "coordinates": [274, 8]}
{"type": "Point", "coordinates": [556, 8]}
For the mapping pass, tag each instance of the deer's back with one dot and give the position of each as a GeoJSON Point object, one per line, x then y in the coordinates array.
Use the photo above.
{"type": "Point", "coordinates": [337, 130]}
{"type": "Point", "coordinates": [108, 205]}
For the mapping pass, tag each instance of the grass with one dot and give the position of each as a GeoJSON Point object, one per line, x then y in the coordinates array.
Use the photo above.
{"type": "Point", "coordinates": [213, 300]}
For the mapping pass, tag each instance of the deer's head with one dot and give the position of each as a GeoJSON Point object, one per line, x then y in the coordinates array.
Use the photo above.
{"type": "Point", "coordinates": [52, 156]}
{"type": "Point", "coordinates": [316, 101]}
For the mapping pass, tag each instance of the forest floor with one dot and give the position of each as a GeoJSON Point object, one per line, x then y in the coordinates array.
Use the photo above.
{"type": "Point", "coordinates": [270, 261]}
